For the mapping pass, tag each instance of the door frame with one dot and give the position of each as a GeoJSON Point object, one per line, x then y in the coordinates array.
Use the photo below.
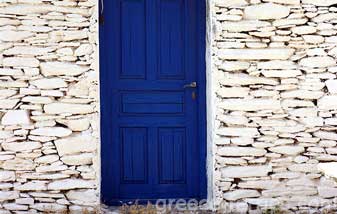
{"type": "Point", "coordinates": [205, 167]}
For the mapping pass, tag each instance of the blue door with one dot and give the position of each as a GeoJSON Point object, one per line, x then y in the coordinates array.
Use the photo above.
{"type": "Point", "coordinates": [153, 100]}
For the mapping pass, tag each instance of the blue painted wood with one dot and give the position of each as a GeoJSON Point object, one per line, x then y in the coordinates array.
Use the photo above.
{"type": "Point", "coordinates": [134, 159]}
{"type": "Point", "coordinates": [149, 102]}
{"type": "Point", "coordinates": [133, 39]}
{"type": "Point", "coordinates": [153, 131]}
{"type": "Point", "coordinates": [172, 155]}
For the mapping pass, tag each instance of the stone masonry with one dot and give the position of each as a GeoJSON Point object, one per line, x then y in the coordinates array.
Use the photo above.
{"type": "Point", "coordinates": [48, 106]}
{"type": "Point", "coordinates": [275, 65]}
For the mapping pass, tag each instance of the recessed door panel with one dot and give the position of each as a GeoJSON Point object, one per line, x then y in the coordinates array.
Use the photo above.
{"type": "Point", "coordinates": [133, 40]}
{"type": "Point", "coordinates": [172, 154]}
{"type": "Point", "coordinates": [153, 102]}
{"type": "Point", "coordinates": [134, 155]}
{"type": "Point", "coordinates": [171, 39]}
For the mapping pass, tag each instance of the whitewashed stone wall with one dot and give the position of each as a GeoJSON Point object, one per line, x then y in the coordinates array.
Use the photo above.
{"type": "Point", "coordinates": [275, 62]}
{"type": "Point", "coordinates": [48, 106]}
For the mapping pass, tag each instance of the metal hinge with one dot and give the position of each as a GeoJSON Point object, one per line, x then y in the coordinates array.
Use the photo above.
{"type": "Point", "coordinates": [101, 13]}
{"type": "Point", "coordinates": [101, 19]}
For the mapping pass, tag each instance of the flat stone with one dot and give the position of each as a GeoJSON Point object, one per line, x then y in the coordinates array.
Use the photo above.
{"type": "Point", "coordinates": [303, 167]}
{"type": "Point", "coordinates": [76, 209]}
{"type": "Point", "coordinates": [232, 92]}
{"type": "Point", "coordinates": [266, 11]}
{"type": "Point", "coordinates": [14, 36]}
{"type": "Point", "coordinates": [28, 50]}
{"type": "Point", "coordinates": [244, 26]}
{"type": "Point", "coordinates": [62, 68]}
{"type": "Point", "coordinates": [287, 150]}
{"type": "Point", "coordinates": [231, 119]}
{"type": "Point", "coordinates": [329, 169]}
{"type": "Point", "coordinates": [74, 35]}
{"type": "Point", "coordinates": [313, 39]}
{"type": "Point", "coordinates": [51, 83]}
{"type": "Point", "coordinates": [240, 194]}
{"type": "Point", "coordinates": [6, 176]}
{"type": "Point", "coordinates": [6, 93]}
{"type": "Point", "coordinates": [55, 167]}
{"type": "Point", "coordinates": [83, 197]}
{"type": "Point", "coordinates": [16, 117]}
{"type": "Point", "coordinates": [5, 46]}
{"type": "Point", "coordinates": [230, 3]}
{"type": "Point", "coordinates": [68, 184]}
{"type": "Point", "coordinates": [21, 62]}
{"type": "Point", "coordinates": [244, 79]}
{"type": "Point", "coordinates": [250, 104]}
{"type": "Point", "coordinates": [289, 22]}
{"type": "Point", "coordinates": [259, 184]}
{"type": "Point", "coordinates": [327, 192]}
{"type": "Point", "coordinates": [303, 30]}
{"type": "Point", "coordinates": [5, 134]}
{"type": "Point", "coordinates": [8, 195]}
{"type": "Point", "coordinates": [234, 65]}
{"type": "Point", "coordinates": [327, 103]}
{"type": "Point", "coordinates": [78, 160]}
{"type": "Point", "coordinates": [245, 171]}
{"type": "Point", "coordinates": [332, 86]}
{"type": "Point", "coordinates": [18, 164]}
{"type": "Point", "coordinates": [21, 146]}
{"type": "Point", "coordinates": [238, 132]}
{"type": "Point", "coordinates": [10, 72]}
{"type": "Point", "coordinates": [37, 99]}
{"type": "Point", "coordinates": [49, 207]}
{"type": "Point", "coordinates": [43, 176]}
{"type": "Point", "coordinates": [231, 161]}
{"type": "Point", "coordinates": [32, 186]}
{"type": "Point", "coordinates": [52, 132]}
{"type": "Point", "coordinates": [326, 135]}
{"type": "Point", "coordinates": [242, 141]}
{"type": "Point", "coordinates": [303, 94]}
{"type": "Point", "coordinates": [256, 54]}
{"type": "Point", "coordinates": [13, 84]}
{"type": "Point", "coordinates": [287, 2]}
{"type": "Point", "coordinates": [84, 49]}
{"type": "Point", "coordinates": [325, 17]}
{"type": "Point", "coordinates": [25, 9]}
{"type": "Point", "coordinates": [286, 103]}
{"type": "Point", "coordinates": [320, 2]}
{"type": "Point", "coordinates": [281, 73]}
{"type": "Point", "coordinates": [276, 64]}
{"type": "Point", "coordinates": [25, 201]}
{"type": "Point", "coordinates": [47, 159]}
{"type": "Point", "coordinates": [76, 125]}
{"type": "Point", "coordinates": [241, 151]}
{"type": "Point", "coordinates": [75, 144]}
{"type": "Point", "coordinates": [264, 202]}
{"type": "Point", "coordinates": [317, 62]}
{"type": "Point", "coordinates": [61, 108]}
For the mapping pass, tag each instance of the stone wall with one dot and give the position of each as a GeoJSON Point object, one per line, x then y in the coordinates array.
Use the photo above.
{"type": "Point", "coordinates": [275, 68]}
{"type": "Point", "coordinates": [48, 106]}
{"type": "Point", "coordinates": [275, 61]}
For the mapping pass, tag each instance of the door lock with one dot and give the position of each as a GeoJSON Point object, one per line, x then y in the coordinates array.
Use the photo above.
{"type": "Point", "coordinates": [191, 85]}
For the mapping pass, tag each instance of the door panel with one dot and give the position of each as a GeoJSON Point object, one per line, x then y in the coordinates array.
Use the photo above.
{"type": "Point", "coordinates": [133, 34]}
{"type": "Point", "coordinates": [152, 144]}
{"type": "Point", "coordinates": [171, 155]}
{"type": "Point", "coordinates": [134, 155]}
{"type": "Point", "coordinates": [171, 39]}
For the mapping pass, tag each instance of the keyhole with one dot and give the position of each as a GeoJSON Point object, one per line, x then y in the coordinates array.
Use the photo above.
{"type": "Point", "coordinates": [194, 95]}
